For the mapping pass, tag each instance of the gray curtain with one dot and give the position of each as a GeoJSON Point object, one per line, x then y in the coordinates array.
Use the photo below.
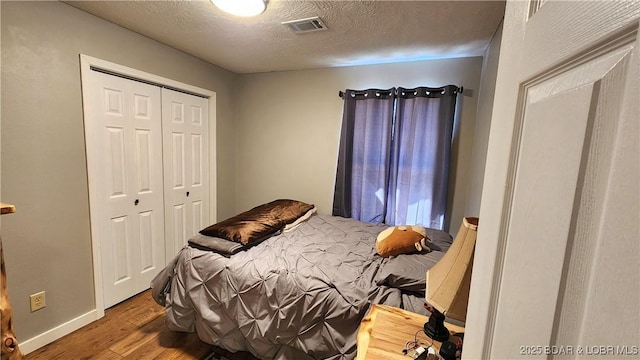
{"type": "Point", "coordinates": [421, 153]}
{"type": "Point", "coordinates": [393, 161]}
{"type": "Point", "coordinates": [364, 154]}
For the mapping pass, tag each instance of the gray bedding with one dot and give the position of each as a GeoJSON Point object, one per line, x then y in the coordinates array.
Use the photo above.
{"type": "Point", "coordinates": [298, 295]}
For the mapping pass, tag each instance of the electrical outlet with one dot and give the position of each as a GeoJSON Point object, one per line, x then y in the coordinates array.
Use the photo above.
{"type": "Point", "coordinates": [38, 301]}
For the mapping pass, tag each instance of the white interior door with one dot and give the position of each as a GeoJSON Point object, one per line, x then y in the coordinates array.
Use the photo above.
{"type": "Point", "coordinates": [186, 167]}
{"type": "Point", "coordinates": [125, 159]}
{"type": "Point", "coordinates": [558, 256]}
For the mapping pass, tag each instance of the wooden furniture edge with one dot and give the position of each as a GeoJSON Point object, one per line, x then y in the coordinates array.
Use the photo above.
{"type": "Point", "coordinates": [7, 208]}
{"type": "Point", "coordinates": [366, 330]}
{"type": "Point", "coordinates": [9, 348]}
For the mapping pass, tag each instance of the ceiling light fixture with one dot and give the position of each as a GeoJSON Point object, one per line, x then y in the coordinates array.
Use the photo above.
{"type": "Point", "coordinates": [244, 8]}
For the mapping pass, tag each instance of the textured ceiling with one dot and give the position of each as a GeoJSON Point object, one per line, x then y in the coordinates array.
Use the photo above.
{"type": "Point", "coordinates": [360, 32]}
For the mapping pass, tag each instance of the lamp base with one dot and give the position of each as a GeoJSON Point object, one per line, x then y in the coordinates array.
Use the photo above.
{"type": "Point", "coordinates": [435, 328]}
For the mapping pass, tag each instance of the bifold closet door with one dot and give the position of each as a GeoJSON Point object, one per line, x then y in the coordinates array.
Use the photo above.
{"type": "Point", "coordinates": [124, 155]}
{"type": "Point", "coordinates": [186, 169]}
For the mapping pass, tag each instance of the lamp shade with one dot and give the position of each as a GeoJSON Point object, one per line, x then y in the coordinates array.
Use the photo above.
{"type": "Point", "coordinates": [449, 280]}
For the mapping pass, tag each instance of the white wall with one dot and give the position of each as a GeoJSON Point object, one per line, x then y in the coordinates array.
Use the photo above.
{"type": "Point", "coordinates": [485, 112]}
{"type": "Point", "coordinates": [289, 127]}
{"type": "Point", "coordinates": [483, 124]}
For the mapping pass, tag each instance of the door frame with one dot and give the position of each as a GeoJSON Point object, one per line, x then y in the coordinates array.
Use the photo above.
{"type": "Point", "coordinates": [87, 66]}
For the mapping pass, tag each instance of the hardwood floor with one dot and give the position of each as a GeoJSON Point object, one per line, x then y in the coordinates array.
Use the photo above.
{"type": "Point", "coordinates": [133, 329]}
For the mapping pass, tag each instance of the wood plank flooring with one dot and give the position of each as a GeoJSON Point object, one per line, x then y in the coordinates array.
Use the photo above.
{"type": "Point", "coordinates": [133, 329]}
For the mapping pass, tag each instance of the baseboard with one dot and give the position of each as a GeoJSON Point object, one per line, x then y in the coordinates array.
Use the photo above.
{"type": "Point", "coordinates": [57, 332]}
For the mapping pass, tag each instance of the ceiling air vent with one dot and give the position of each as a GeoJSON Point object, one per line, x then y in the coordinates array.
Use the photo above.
{"type": "Point", "coordinates": [305, 25]}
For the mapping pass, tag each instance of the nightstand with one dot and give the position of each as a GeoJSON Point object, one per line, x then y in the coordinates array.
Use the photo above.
{"type": "Point", "coordinates": [386, 329]}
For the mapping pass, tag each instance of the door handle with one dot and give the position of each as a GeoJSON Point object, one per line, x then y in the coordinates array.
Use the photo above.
{"type": "Point", "coordinates": [187, 194]}
{"type": "Point", "coordinates": [136, 202]}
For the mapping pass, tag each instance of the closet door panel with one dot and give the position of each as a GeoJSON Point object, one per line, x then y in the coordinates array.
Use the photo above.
{"type": "Point", "coordinates": [124, 134]}
{"type": "Point", "coordinates": [121, 256]}
{"type": "Point", "coordinates": [196, 157]}
{"type": "Point", "coordinates": [185, 132]}
{"type": "Point", "coordinates": [144, 160]}
{"type": "Point", "coordinates": [197, 218]}
{"type": "Point", "coordinates": [177, 157]}
{"type": "Point", "coordinates": [115, 165]}
{"type": "Point", "coordinates": [146, 240]}
{"type": "Point", "coordinates": [147, 180]}
{"type": "Point", "coordinates": [176, 221]}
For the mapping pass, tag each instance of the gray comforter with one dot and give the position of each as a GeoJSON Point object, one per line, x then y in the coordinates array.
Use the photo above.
{"type": "Point", "coordinates": [298, 295]}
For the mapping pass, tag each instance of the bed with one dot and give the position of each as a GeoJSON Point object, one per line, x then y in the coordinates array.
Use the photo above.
{"type": "Point", "coordinates": [299, 294]}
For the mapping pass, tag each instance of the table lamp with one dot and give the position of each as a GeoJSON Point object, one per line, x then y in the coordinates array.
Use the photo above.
{"type": "Point", "coordinates": [449, 280]}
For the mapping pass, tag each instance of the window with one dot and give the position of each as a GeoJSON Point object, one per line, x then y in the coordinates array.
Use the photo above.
{"type": "Point", "coordinates": [393, 162]}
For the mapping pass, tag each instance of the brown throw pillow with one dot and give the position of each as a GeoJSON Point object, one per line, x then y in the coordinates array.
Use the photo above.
{"type": "Point", "coordinates": [287, 210]}
{"type": "Point", "coordinates": [400, 240]}
{"type": "Point", "coordinates": [258, 223]}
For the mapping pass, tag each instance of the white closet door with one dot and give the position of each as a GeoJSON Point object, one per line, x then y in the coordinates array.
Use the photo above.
{"type": "Point", "coordinates": [186, 169]}
{"type": "Point", "coordinates": [125, 154]}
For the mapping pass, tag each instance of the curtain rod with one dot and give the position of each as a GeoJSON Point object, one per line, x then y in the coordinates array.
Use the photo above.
{"type": "Point", "coordinates": [460, 90]}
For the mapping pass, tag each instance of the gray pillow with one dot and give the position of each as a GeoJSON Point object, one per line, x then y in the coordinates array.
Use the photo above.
{"type": "Point", "coordinates": [222, 246]}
